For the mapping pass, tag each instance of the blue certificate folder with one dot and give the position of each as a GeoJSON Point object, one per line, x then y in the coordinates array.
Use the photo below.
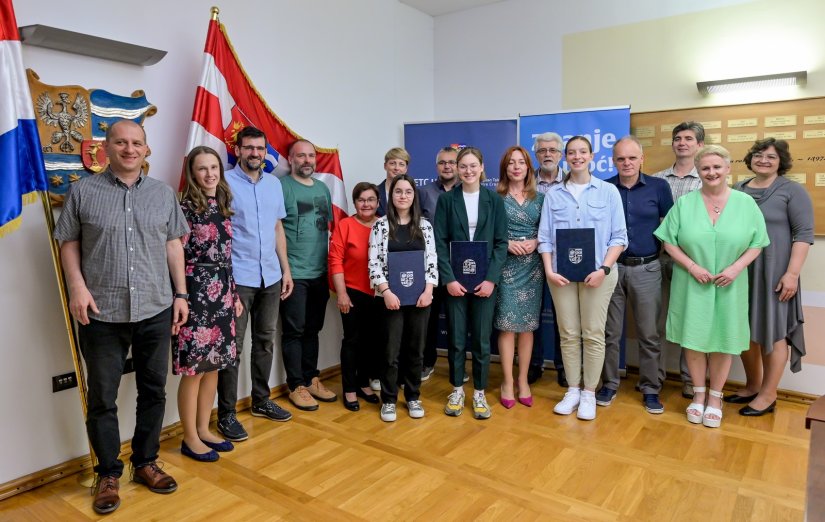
{"type": "Point", "coordinates": [575, 252]}
{"type": "Point", "coordinates": [406, 275]}
{"type": "Point", "coordinates": [468, 260]}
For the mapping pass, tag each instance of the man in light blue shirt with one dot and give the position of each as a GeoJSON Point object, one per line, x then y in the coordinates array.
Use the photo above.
{"type": "Point", "coordinates": [262, 278]}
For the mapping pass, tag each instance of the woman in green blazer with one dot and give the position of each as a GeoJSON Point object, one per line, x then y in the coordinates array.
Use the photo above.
{"type": "Point", "coordinates": [471, 213]}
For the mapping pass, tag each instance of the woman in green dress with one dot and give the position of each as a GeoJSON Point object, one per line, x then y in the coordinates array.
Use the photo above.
{"type": "Point", "coordinates": [518, 303]}
{"type": "Point", "coordinates": [712, 234]}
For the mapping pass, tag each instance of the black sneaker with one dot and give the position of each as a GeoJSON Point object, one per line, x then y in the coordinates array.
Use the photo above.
{"type": "Point", "coordinates": [652, 403]}
{"type": "Point", "coordinates": [605, 396]}
{"type": "Point", "coordinates": [232, 429]}
{"type": "Point", "coordinates": [534, 373]}
{"type": "Point", "coordinates": [271, 411]}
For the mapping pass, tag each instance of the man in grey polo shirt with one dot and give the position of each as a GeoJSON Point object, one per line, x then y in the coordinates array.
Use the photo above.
{"type": "Point", "coordinates": [120, 234]}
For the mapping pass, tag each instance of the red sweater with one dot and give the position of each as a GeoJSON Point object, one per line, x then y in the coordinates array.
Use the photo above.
{"type": "Point", "coordinates": [349, 254]}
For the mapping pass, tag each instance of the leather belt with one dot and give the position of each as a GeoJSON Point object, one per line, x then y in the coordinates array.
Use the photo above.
{"type": "Point", "coordinates": [210, 265]}
{"type": "Point", "coordinates": [636, 261]}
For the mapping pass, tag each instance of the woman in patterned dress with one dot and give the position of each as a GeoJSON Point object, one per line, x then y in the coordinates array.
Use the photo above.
{"type": "Point", "coordinates": [206, 343]}
{"type": "Point", "coordinates": [518, 302]}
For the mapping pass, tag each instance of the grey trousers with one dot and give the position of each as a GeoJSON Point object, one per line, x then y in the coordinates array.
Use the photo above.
{"type": "Point", "coordinates": [641, 287]}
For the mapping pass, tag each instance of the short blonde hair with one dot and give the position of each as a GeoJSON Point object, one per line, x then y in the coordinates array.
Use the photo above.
{"type": "Point", "coordinates": [712, 150]}
{"type": "Point", "coordinates": [397, 153]}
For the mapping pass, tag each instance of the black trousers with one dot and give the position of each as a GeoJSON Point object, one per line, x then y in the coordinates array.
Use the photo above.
{"type": "Point", "coordinates": [105, 347]}
{"type": "Point", "coordinates": [430, 347]}
{"type": "Point", "coordinates": [302, 317]}
{"type": "Point", "coordinates": [406, 329]}
{"type": "Point", "coordinates": [363, 342]}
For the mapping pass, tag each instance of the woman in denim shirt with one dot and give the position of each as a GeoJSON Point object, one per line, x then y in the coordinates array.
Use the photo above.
{"type": "Point", "coordinates": [582, 201]}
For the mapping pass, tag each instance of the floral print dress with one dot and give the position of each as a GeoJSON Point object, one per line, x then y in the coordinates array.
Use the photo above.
{"type": "Point", "coordinates": [207, 341]}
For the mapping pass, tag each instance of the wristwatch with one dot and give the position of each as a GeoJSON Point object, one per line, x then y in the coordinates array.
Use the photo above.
{"type": "Point", "coordinates": [181, 296]}
{"type": "Point", "coordinates": [606, 269]}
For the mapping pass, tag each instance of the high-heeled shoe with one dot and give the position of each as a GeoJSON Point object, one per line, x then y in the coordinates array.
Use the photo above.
{"type": "Point", "coordinates": [527, 401]}
{"type": "Point", "coordinates": [747, 411]}
{"type": "Point", "coordinates": [711, 410]}
{"type": "Point", "coordinates": [739, 399]}
{"type": "Point", "coordinates": [507, 403]}
{"type": "Point", "coordinates": [371, 398]}
{"type": "Point", "coordinates": [696, 418]}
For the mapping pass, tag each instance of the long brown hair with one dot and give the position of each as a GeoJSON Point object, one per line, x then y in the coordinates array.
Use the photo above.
{"type": "Point", "coordinates": [415, 210]}
{"type": "Point", "coordinates": [567, 145]}
{"type": "Point", "coordinates": [193, 194]}
{"type": "Point", "coordinates": [503, 186]}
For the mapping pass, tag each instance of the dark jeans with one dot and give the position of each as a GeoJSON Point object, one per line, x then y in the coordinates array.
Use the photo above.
{"type": "Point", "coordinates": [362, 343]}
{"type": "Point", "coordinates": [537, 358]}
{"type": "Point", "coordinates": [430, 347]}
{"type": "Point", "coordinates": [262, 305]}
{"type": "Point", "coordinates": [105, 347]}
{"type": "Point", "coordinates": [406, 329]}
{"type": "Point", "coordinates": [474, 315]}
{"type": "Point", "coordinates": [302, 317]}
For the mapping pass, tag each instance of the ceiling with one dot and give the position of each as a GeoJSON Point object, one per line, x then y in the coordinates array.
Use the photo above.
{"type": "Point", "coordinates": [440, 7]}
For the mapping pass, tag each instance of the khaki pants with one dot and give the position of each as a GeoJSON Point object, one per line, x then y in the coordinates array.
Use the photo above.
{"type": "Point", "coordinates": [581, 313]}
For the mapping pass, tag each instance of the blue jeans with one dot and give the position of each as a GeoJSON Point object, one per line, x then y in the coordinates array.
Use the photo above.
{"type": "Point", "coordinates": [105, 347]}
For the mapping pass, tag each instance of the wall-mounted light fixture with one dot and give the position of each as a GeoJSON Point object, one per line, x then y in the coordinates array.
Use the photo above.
{"type": "Point", "coordinates": [799, 78]}
{"type": "Point", "coordinates": [88, 45]}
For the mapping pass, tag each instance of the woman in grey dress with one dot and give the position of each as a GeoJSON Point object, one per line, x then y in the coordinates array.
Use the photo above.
{"type": "Point", "coordinates": [775, 306]}
{"type": "Point", "coordinates": [518, 302]}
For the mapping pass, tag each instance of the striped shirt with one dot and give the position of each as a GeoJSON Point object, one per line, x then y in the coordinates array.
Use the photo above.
{"type": "Point", "coordinates": [123, 233]}
{"type": "Point", "coordinates": [680, 186]}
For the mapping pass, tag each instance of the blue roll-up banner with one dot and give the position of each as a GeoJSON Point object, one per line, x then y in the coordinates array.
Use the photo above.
{"type": "Point", "coordinates": [424, 140]}
{"type": "Point", "coordinates": [603, 127]}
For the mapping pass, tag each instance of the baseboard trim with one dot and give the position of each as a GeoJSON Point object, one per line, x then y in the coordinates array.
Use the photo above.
{"type": "Point", "coordinates": [83, 464]}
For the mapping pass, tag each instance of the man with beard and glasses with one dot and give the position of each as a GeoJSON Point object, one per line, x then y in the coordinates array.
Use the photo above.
{"type": "Point", "coordinates": [262, 279]}
{"type": "Point", "coordinates": [306, 226]}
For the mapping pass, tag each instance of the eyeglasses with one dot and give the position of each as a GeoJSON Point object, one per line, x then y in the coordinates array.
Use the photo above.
{"type": "Point", "coordinates": [451, 163]}
{"type": "Point", "coordinates": [545, 150]}
{"type": "Point", "coordinates": [362, 201]}
{"type": "Point", "coordinates": [399, 192]}
{"type": "Point", "coordinates": [762, 156]}
{"type": "Point", "coordinates": [250, 148]}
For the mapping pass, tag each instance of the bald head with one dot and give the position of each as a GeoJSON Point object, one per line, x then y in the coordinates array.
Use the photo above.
{"type": "Point", "coordinates": [110, 130]}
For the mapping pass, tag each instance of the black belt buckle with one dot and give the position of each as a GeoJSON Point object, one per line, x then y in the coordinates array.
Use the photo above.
{"type": "Point", "coordinates": [636, 261]}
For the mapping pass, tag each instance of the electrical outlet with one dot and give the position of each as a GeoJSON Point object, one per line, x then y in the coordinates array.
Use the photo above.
{"type": "Point", "coordinates": [64, 382]}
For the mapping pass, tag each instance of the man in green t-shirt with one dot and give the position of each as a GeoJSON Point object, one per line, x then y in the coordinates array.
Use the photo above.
{"type": "Point", "coordinates": [306, 228]}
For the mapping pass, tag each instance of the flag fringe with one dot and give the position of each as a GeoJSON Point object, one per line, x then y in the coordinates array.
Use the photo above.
{"type": "Point", "coordinates": [260, 96]}
{"type": "Point", "coordinates": [10, 227]}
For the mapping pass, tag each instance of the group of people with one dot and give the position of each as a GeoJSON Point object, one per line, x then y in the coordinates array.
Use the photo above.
{"type": "Point", "coordinates": [243, 247]}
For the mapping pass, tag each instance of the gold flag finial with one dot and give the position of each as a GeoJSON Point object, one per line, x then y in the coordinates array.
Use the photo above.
{"type": "Point", "coordinates": [215, 12]}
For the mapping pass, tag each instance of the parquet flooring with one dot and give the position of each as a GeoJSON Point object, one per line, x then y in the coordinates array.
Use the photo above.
{"type": "Point", "coordinates": [522, 464]}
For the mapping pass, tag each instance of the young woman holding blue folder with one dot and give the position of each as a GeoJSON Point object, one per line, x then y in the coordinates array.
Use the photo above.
{"type": "Point", "coordinates": [582, 201]}
{"type": "Point", "coordinates": [470, 213]}
{"type": "Point", "coordinates": [402, 230]}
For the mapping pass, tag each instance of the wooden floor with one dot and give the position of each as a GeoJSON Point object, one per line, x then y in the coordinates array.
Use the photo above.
{"type": "Point", "coordinates": [522, 464]}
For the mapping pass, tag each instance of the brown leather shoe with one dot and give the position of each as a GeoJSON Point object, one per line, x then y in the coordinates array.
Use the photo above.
{"type": "Point", "coordinates": [106, 495]}
{"type": "Point", "coordinates": [321, 392]}
{"type": "Point", "coordinates": [154, 478]}
{"type": "Point", "coordinates": [302, 400]}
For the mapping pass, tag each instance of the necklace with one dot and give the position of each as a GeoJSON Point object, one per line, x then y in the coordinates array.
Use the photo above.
{"type": "Point", "coordinates": [717, 208]}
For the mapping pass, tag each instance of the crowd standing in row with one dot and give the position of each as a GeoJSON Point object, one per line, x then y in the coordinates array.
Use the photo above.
{"type": "Point", "coordinates": [243, 247]}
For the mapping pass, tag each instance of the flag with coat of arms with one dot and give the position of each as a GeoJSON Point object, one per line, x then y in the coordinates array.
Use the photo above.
{"type": "Point", "coordinates": [226, 101]}
{"type": "Point", "coordinates": [21, 161]}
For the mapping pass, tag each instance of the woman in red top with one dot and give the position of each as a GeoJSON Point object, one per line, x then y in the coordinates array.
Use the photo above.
{"type": "Point", "coordinates": [359, 307]}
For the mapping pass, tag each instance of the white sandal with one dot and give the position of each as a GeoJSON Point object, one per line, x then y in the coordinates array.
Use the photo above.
{"type": "Point", "coordinates": [694, 417]}
{"type": "Point", "coordinates": [710, 410]}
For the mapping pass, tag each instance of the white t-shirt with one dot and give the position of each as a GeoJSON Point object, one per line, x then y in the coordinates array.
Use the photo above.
{"type": "Point", "coordinates": [576, 189]}
{"type": "Point", "coordinates": [471, 202]}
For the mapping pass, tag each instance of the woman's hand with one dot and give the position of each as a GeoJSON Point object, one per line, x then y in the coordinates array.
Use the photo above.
{"type": "Point", "coordinates": [344, 302]}
{"type": "Point", "coordinates": [727, 276]}
{"type": "Point", "coordinates": [391, 301]}
{"type": "Point", "coordinates": [484, 289]}
{"type": "Point", "coordinates": [699, 273]}
{"type": "Point", "coordinates": [455, 289]}
{"type": "Point", "coordinates": [530, 245]}
{"type": "Point", "coordinates": [788, 286]}
{"type": "Point", "coordinates": [556, 279]}
{"type": "Point", "coordinates": [425, 299]}
{"type": "Point", "coordinates": [595, 279]}
{"type": "Point", "coordinates": [238, 307]}
{"type": "Point", "coordinates": [516, 248]}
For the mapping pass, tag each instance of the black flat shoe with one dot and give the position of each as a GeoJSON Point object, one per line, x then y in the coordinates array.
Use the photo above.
{"type": "Point", "coordinates": [739, 399]}
{"type": "Point", "coordinates": [372, 399]}
{"type": "Point", "coordinates": [352, 406]}
{"type": "Point", "coordinates": [747, 411]}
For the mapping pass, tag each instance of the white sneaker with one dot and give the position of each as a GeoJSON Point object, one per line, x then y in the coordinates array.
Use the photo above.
{"type": "Point", "coordinates": [570, 402]}
{"type": "Point", "coordinates": [416, 409]}
{"type": "Point", "coordinates": [388, 412]}
{"type": "Point", "coordinates": [587, 406]}
{"type": "Point", "coordinates": [375, 384]}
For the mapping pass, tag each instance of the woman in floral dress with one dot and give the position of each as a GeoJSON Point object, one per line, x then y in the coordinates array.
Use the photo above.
{"type": "Point", "coordinates": [206, 343]}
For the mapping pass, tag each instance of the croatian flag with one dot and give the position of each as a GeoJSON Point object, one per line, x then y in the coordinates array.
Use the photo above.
{"type": "Point", "coordinates": [21, 161]}
{"type": "Point", "coordinates": [226, 101]}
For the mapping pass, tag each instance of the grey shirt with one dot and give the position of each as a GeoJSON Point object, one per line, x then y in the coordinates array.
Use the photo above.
{"type": "Point", "coordinates": [428, 197]}
{"type": "Point", "coordinates": [680, 186]}
{"type": "Point", "coordinates": [123, 233]}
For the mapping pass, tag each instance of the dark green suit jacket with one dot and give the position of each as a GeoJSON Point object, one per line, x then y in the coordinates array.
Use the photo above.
{"type": "Point", "coordinates": [451, 225]}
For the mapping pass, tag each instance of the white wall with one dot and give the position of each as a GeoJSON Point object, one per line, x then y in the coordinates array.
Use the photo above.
{"type": "Point", "coordinates": [343, 74]}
